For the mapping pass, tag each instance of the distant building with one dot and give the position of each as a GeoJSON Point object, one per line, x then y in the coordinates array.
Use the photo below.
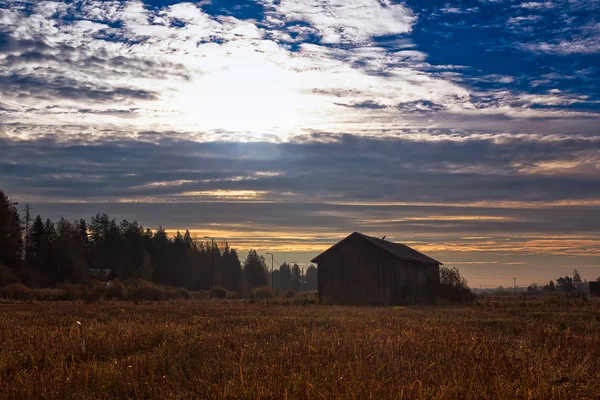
{"type": "Point", "coordinates": [362, 269]}
{"type": "Point", "coordinates": [595, 288]}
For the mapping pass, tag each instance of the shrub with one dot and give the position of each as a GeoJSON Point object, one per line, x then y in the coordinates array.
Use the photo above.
{"type": "Point", "coordinates": [453, 287]}
{"type": "Point", "coordinates": [16, 291]}
{"type": "Point", "coordinates": [264, 292]}
{"type": "Point", "coordinates": [290, 293]}
{"type": "Point", "coordinates": [92, 295]}
{"type": "Point", "coordinates": [7, 276]}
{"type": "Point", "coordinates": [200, 294]}
{"type": "Point", "coordinates": [180, 293]}
{"type": "Point", "coordinates": [218, 292]}
{"type": "Point", "coordinates": [70, 292]}
{"type": "Point", "coordinates": [141, 290]}
{"type": "Point", "coordinates": [234, 295]}
{"type": "Point", "coordinates": [115, 290]}
{"type": "Point", "coordinates": [47, 294]}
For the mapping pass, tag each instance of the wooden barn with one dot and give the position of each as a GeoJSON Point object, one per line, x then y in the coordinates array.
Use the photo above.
{"type": "Point", "coordinates": [363, 269]}
{"type": "Point", "coordinates": [595, 289]}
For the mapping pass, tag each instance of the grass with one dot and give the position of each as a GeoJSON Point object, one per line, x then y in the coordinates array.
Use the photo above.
{"type": "Point", "coordinates": [240, 349]}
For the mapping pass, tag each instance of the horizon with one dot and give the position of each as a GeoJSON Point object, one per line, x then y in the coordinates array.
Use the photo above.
{"type": "Point", "coordinates": [466, 130]}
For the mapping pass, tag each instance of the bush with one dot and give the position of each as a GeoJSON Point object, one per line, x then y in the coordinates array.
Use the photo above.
{"type": "Point", "coordinates": [141, 290]}
{"type": "Point", "coordinates": [234, 295]}
{"type": "Point", "coordinates": [115, 290]}
{"type": "Point", "coordinates": [47, 294]}
{"type": "Point", "coordinates": [7, 276]}
{"type": "Point", "coordinates": [264, 292]}
{"type": "Point", "coordinates": [16, 291]}
{"type": "Point", "coordinates": [290, 293]}
{"type": "Point", "coordinates": [180, 293]}
{"type": "Point", "coordinates": [218, 292]}
{"type": "Point", "coordinates": [92, 295]}
{"type": "Point", "coordinates": [70, 292]}
{"type": "Point", "coordinates": [453, 287]}
{"type": "Point", "coordinates": [200, 294]}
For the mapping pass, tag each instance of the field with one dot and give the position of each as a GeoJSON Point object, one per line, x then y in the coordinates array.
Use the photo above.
{"type": "Point", "coordinates": [240, 349]}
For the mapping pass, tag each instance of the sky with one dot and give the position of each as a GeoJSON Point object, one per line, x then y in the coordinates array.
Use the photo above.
{"type": "Point", "coordinates": [465, 129]}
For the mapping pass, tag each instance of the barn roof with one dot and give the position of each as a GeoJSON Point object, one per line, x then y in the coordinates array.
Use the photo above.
{"type": "Point", "coordinates": [398, 250]}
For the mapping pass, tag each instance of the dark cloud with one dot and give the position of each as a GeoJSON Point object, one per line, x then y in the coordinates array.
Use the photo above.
{"type": "Point", "coordinates": [420, 106]}
{"type": "Point", "coordinates": [372, 105]}
{"type": "Point", "coordinates": [8, 44]}
{"type": "Point", "coordinates": [66, 88]}
{"type": "Point", "coordinates": [349, 168]}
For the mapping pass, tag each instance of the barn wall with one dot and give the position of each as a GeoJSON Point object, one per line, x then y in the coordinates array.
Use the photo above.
{"type": "Point", "coordinates": [358, 272]}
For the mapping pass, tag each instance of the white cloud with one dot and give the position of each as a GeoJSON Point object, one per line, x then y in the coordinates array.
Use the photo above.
{"type": "Point", "coordinates": [339, 21]}
{"type": "Point", "coordinates": [523, 19]}
{"type": "Point", "coordinates": [537, 5]}
{"type": "Point", "coordinates": [589, 45]}
{"type": "Point", "coordinates": [180, 69]}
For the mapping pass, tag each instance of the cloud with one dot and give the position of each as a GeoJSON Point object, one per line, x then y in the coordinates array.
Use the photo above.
{"type": "Point", "coordinates": [537, 5]}
{"type": "Point", "coordinates": [336, 21]}
{"type": "Point", "coordinates": [292, 123]}
{"type": "Point", "coordinates": [581, 45]}
{"type": "Point", "coordinates": [297, 68]}
{"type": "Point", "coordinates": [408, 169]}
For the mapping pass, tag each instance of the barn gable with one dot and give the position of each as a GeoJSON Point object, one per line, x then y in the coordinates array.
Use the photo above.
{"type": "Point", "coordinates": [398, 250]}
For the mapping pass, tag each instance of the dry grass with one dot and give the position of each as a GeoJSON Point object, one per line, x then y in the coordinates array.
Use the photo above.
{"type": "Point", "coordinates": [233, 349]}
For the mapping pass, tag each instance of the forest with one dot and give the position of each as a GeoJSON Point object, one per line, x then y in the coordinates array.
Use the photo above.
{"type": "Point", "coordinates": [45, 253]}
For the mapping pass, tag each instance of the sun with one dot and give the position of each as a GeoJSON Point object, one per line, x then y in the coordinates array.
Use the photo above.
{"type": "Point", "coordinates": [246, 92]}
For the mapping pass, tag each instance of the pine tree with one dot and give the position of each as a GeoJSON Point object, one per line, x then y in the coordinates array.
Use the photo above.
{"type": "Point", "coordinates": [36, 243]}
{"type": "Point", "coordinates": [311, 278]}
{"type": "Point", "coordinates": [577, 282]}
{"type": "Point", "coordinates": [27, 231]}
{"type": "Point", "coordinates": [11, 241]}
{"type": "Point", "coordinates": [232, 269]}
{"type": "Point", "coordinates": [255, 269]}
{"type": "Point", "coordinates": [285, 277]}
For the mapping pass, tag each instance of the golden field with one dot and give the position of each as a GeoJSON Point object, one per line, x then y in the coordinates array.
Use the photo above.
{"type": "Point", "coordinates": [203, 349]}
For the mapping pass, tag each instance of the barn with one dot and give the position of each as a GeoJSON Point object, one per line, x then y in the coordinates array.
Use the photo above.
{"type": "Point", "coordinates": [595, 289]}
{"type": "Point", "coordinates": [362, 269]}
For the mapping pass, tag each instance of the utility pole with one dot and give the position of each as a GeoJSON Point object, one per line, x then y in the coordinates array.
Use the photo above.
{"type": "Point", "coordinates": [212, 260]}
{"type": "Point", "coordinates": [515, 284]}
{"type": "Point", "coordinates": [272, 270]}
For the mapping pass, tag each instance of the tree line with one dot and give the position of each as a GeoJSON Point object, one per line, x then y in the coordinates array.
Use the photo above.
{"type": "Point", "coordinates": [566, 284]}
{"type": "Point", "coordinates": [43, 253]}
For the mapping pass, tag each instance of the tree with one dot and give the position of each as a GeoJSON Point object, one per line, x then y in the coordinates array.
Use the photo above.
{"type": "Point", "coordinates": [160, 256]}
{"type": "Point", "coordinates": [296, 277]}
{"type": "Point", "coordinates": [311, 278]}
{"type": "Point", "coordinates": [533, 288]}
{"type": "Point", "coordinates": [36, 243]}
{"type": "Point", "coordinates": [27, 231]}
{"type": "Point", "coordinates": [69, 253]}
{"type": "Point", "coordinates": [549, 287]}
{"type": "Point", "coordinates": [146, 268]}
{"type": "Point", "coordinates": [453, 286]}
{"type": "Point", "coordinates": [452, 277]}
{"type": "Point", "coordinates": [285, 277]}
{"type": "Point", "coordinates": [66, 251]}
{"type": "Point", "coordinates": [565, 284]}
{"type": "Point", "coordinates": [187, 239]}
{"type": "Point", "coordinates": [232, 269]}
{"type": "Point", "coordinates": [48, 259]}
{"type": "Point", "coordinates": [255, 269]}
{"type": "Point", "coordinates": [577, 282]}
{"type": "Point", "coordinates": [11, 242]}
